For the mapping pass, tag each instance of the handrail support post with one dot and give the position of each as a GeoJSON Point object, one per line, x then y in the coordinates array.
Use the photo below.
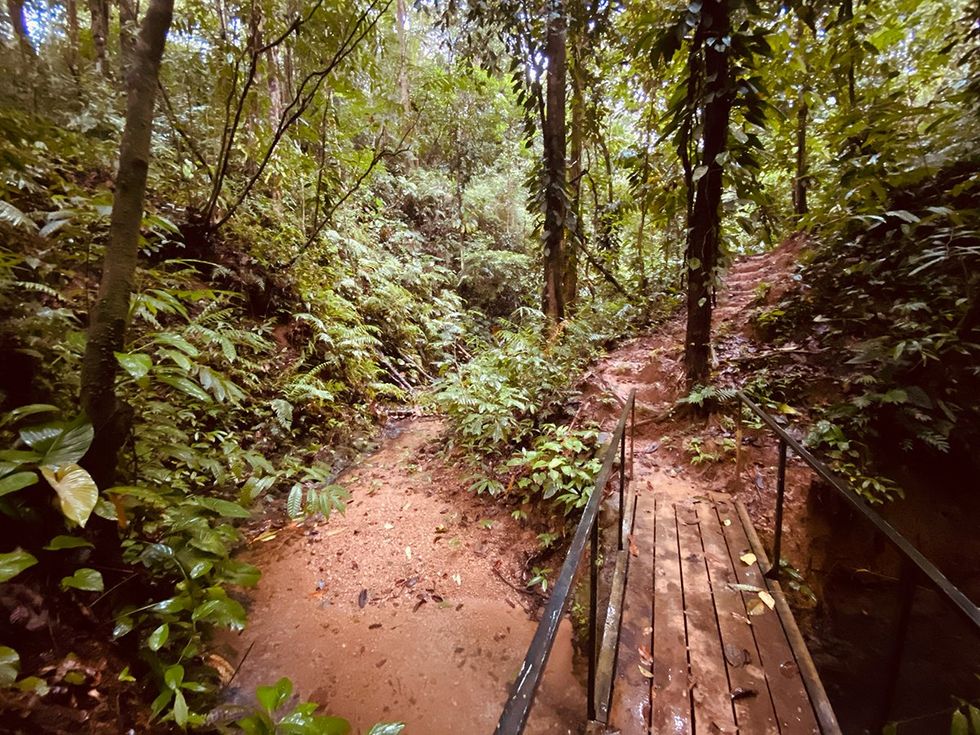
{"type": "Point", "coordinates": [773, 572]}
{"type": "Point", "coordinates": [593, 618]}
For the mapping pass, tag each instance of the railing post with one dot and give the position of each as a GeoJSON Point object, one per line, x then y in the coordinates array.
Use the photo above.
{"type": "Point", "coordinates": [622, 485]}
{"type": "Point", "coordinates": [773, 572]}
{"type": "Point", "coordinates": [593, 618]}
{"type": "Point", "coordinates": [906, 586]}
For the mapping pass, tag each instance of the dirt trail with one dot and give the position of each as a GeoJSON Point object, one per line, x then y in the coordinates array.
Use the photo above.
{"type": "Point", "coordinates": [411, 606]}
{"type": "Point", "coordinates": [408, 607]}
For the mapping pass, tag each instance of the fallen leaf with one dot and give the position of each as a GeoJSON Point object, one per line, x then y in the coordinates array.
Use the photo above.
{"type": "Point", "coordinates": [741, 618]}
{"type": "Point", "coordinates": [768, 599]}
{"type": "Point", "coordinates": [748, 559]}
{"type": "Point", "coordinates": [408, 552]}
{"type": "Point", "coordinates": [267, 536]}
{"type": "Point", "coordinates": [362, 598]}
{"type": "Point", "coordinates": [645, 655]}
{"type": "Point", "coordinates": [755, 607]}
{"type": "Point", "coordinates": [736, 656]}
{"type": "Point", "coordinates": [634, 549]}
{"type": "Point", "coordinates": [389, 526]}
{"type": "Point", "coordinates": [645, 671]}
{"type": "Point", "coordinates": [457, 579]}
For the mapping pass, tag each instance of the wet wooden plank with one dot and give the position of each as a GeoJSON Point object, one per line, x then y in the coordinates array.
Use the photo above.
{"type": "Point", "coordinates": [630, 709]}
{"type": "Point", "coordinates": [671, 699]}
{"type": "Point", "coordinates": [754, 715]}
{"type": "Point", "coordinates": [794, 712]}
{"type": "Point", "coordinates": [710, 692]}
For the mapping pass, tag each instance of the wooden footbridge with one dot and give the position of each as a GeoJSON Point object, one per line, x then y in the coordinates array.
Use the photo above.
{"type": "Point", "coordinates": [696, 636]}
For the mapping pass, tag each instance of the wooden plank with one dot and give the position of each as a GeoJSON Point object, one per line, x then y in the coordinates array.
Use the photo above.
{"type": "Point", "coordinates": [753, 714]}
{"type": "Point", "coordinates": [671, 695]}
{"type": "Point", "coordinates": [710, 691]}
{"type": "Point", "coordinates": [606, 664]}
{"type": "Point", "coordinates": [794, 713]}
{"type": "Point", "coordinates": [811, 679]}
{"type": "Point", "coordinates": [630, 708]}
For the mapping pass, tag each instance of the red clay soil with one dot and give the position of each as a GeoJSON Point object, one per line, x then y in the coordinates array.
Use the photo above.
{"type": "Point", "coordinates": [409, 607]}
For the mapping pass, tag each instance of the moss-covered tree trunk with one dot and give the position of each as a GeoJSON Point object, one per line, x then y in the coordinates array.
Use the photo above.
{"type": "Point", "coordinates": [553, 133]}
{"type": "Point", "coordinates": [704, 228]}
{"type": "Point", "coordinates": [110, 314]}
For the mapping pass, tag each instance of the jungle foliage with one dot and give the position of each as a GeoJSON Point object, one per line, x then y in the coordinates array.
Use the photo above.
{"type": "Point", "coordinates": [350, 206]}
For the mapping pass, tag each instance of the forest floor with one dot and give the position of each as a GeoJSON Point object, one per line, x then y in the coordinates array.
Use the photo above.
{"type": "Point", "coordinates": [412, 605]}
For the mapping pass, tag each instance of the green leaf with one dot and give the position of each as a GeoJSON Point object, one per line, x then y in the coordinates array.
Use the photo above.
{"type": "Point", "coordinates": [959, 724]}
{"type": "Point", "coordinates": [9, 666]}
{"type": "Point", "coordinates": [76, 490]}
{"type": "Point", "coordinates": [17, 481]}
{"type": "Point", "coordinates": [124, 675]}
{"type": "Point", "coordinates": [137, 365]}
{"type": "Point", "coordinates": [175, 340]}
{"type": "Point", "coordinates": [173, 677]}
{"type": "Point", "coordinates": [180, 709]}
{"type": "Point", "coordinates": [158, 637]}
{"type": "Point", "coordinates": [224, 508]}
{"type": "Point", "coordinates": [85, 579]}
{"type": "Point", "coordinates": [15, 562]}
{"type": "Point", "coordinates": [59, 443]}
{"type": "Point", "coordinates": [28, 410]}
{"type": "Point", "coordinates": [188, 386]}
{"type": "Point", "coordinates": [273, 697]}
{"type": "Point", "coordinates": [66, 542]}
{"type": "Point", "coordinates": [13, 216]}
{"type": "Point", "coordinates": [294, 502]}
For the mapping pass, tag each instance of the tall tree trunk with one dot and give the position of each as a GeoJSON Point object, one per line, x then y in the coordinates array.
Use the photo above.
{"type": "Point", "coordinates": [800, 180]}
{"type": "Point", "coordinates": [570, 267]}
{"type": "Point", "coordinates": [401, 19]}
{"type": "Point", "coordinates": [644, 202]}
{"type": "Point", "coordinates": [108, 320]}
{"type": "Point", "coordinates": [99, 12]}
{"type": "Point", "coordinates": [71, 9]}
{"type": "Point", "coordinates": [553, 133]}
{"type": "Point", "coordinates": [705, 226]}
{"type": "Point", "coordinates": [15, 9]}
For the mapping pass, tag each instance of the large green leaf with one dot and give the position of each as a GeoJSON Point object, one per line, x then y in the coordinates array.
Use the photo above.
{"type": "Point", "coordinates": [274, 696]}
{"type": "Point", "coordinates": [188, 386]}
{"type": "Point", "coordinates": [28, 410]}
{"type": "Point", "coordinates": [59, 543]}
{"type": "Point", "coordinates": [9, 666]}
{"type": "Point", "coordinates": [16, 481]}
{"type": "Point", "coordinates": [76, 490]}
{"type": "Point", "coordinates": [225, 508]}
{"type": "Point", "coordinates": [88, 580]}
{"type": "Point", "coordinates": [15, 562]}
{"type": "Point", "coordinates": [60, 443]}
{"type": "Point", "coordinates": [137, 365]}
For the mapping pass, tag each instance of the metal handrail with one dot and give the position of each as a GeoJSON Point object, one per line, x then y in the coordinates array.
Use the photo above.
{"type": "Point", "coordinates": [926, 568]}
{"type": "Point", "coordinates": [518, 707]}
{"type": "Point", "coordinates": [914, 565]}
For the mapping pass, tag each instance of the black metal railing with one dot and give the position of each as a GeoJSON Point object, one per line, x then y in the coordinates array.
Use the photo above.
{"type": "Point", "coordinates": [518, 707]}
{"type": "Point", "coordinates": [915, 568]}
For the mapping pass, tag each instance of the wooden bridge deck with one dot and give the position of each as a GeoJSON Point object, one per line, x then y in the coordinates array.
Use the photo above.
{"type": "Point", "coordinates": [707, 644]}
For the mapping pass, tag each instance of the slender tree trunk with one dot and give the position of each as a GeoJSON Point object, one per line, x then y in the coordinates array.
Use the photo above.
{"type": "Point", "coordinates": [553, 133]}
{"type": "Point", "coordinates": [705, 226]}
{"type": "Point", "coordinates": [570, 268]}
{"type": "Point", "coordinates": [71, 9]}
{"type": "Point", "coordinates": [15, 9]}
{"type": "Point", "coordinates": [401, 20]}
{"type": "Point", "coordinates": [800, 180]}
{"type": "Point", "coordinates": [640, 231]}
{"type": "Point", "coordinates": [99, 12]}
{"type": "Point", "coordinates": [108, 320]}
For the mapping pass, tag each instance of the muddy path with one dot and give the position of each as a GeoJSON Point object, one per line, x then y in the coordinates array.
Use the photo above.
{"type": "Point", "coordinates": [408, 607]}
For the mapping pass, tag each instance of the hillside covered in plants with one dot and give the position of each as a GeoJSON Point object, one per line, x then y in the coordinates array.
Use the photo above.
{"type": "Point", "coordinates": [237, 240]}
